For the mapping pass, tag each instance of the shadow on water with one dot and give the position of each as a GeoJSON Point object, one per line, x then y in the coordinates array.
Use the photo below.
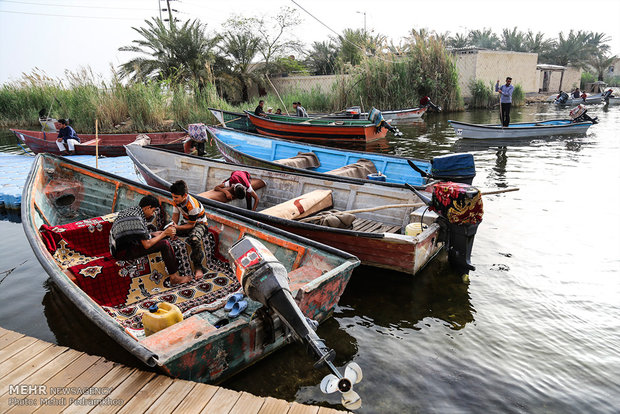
{"type": "Point", "coordinates": [392, 300]}
{"type": "Point", "coordinates": [74, 330]}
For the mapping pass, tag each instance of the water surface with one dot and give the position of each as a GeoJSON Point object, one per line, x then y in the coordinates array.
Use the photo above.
{"type": "Point", "coordinates": [536, 330]}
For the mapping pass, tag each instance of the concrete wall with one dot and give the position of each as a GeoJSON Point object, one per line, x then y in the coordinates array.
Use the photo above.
{"type": "Point", "coordinates": [571, 79]}
{"type": "Point", "coordinates": [491, 65]}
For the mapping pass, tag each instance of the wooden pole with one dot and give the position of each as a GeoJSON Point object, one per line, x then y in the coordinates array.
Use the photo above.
{"type": "Point", "coordinates": [96, 143]}
{"type": "Point", "coordinates": [274, 88]}
{"type": "Point", "coordinates": [507, 190]}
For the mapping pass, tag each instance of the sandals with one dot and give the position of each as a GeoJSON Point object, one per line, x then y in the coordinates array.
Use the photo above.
{"type": "Point", "coordinates": [235, 305]}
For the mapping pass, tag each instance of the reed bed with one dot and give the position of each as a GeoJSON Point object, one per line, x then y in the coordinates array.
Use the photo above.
{"type": "Point", "coordinates": [484, 96]}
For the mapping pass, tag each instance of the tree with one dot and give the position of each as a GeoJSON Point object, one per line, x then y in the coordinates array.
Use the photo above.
{"type": "Point", "coordinates": [513, 40]}
{"type": "Point", "coordinates": [180, 53]}
{"type": "Point", "coordinates": [576, 48]}
{"type": "Point", "coordinates": [601, 63]}
{"type": "Point", "coordinates": [321, 59]}
{"type": "Point", "coordinates": [240, 49]}
{"type": "Point", "coordinates": [536, 43]}
{"type": "Point", "coordinates": [484, 39]}
{"type": "Point", "coordinates": [458, 41]}
{"type": "Point", "coordinates": [353, 44]}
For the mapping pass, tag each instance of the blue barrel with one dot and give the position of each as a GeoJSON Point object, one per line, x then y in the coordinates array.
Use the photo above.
{"type": "Point", "coordinates": [376, 177]}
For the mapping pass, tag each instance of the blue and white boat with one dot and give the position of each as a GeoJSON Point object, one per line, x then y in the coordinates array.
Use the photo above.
{"type": "Point", "coordinates": [520, 130]}
{"type": "Point", "coordinates": [260, 151]}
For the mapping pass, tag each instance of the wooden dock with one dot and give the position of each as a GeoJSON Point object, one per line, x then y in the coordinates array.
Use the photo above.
{"type": "Point", "coordinates": [40, 377]}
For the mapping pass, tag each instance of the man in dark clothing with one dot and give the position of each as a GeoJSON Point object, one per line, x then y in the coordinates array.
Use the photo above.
{"type": "Point", "coordinates": [259, 111]}
{"type": "Point", "coordinates": [66, 136]}
{"type": "Point", "coordinates": [131, 239]}
{"type": "Point", "coordinates": [505, 100]}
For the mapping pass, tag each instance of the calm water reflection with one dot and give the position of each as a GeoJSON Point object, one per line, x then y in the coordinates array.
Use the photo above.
{"type": "Point", "coordinates": [536, 330]}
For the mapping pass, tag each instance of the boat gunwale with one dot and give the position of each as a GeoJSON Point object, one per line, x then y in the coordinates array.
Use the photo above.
{"type": "Point", "coordinates": [521, 128]}
{"type": "Point", "coordinates": [305, 126]}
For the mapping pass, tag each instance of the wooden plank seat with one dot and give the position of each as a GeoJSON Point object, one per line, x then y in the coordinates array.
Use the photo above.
{"type": "Point", "coordinates": [301, 160]}
{"type": "Point", "coordinates": [359, 169]}
{"type": "Point", "coordinates": [126, 289]}
{"type": "Point", "coordinates": [371, 226]}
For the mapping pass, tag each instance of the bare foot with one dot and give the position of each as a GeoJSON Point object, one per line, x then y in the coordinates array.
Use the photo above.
{"type": "Point", "coordinates": [199, 274]}
{"type": "Point", "coordinates": [175, 279]}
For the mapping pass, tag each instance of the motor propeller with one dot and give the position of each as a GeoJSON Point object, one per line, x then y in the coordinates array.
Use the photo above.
{"type": "Point", "coordinates": [265, 280]}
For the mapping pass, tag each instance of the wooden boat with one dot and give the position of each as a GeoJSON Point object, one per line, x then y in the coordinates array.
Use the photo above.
{"type": "Point", "coordinates": [376, 236]}
{"type": "Point", "coordinates": [235, 120]}
{"type": "Point", "coordinates": [259, 151]}
{"type": "Point", "coordinates": [520, 129]}
{"type": "Point", "coordinates": [67, 211]}
{"type": "Point", "coordinates": [568, 101]}
{"type": "Point", "coordinates": [308, 129]}
{"type": "Point", "coordinates": [110, 145]}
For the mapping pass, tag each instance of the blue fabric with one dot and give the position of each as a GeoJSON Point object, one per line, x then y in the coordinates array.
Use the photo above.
{"type": "Point", "coordinates": [506, 92]}
{"type": "Point", "coordinates": [68, 133]}
{"type": "Point", "coordinates": [453, 165]}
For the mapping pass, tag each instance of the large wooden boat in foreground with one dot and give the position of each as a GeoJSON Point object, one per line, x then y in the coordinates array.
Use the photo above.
{"type": "Point", "coordinates": [67, 212]}
{"type": "Point", "coordinates": [376, 235]}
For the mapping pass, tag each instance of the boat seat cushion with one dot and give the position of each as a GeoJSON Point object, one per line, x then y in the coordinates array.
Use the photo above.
{"type": "Point", "coordinates": [302, 206]}
{"type": "Point", "coordinates": [359, 169]}
{"type": "Point", "coordinates": [301, 160]}
{"type": "Point", "coordinates": [124, 289]}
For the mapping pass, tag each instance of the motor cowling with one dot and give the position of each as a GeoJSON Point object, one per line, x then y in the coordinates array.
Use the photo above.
{"type": "Point", "coordinates": [265, 280]}
{"type": "Point", "coordinates": [579, 114]}
{"type": "Point", "coordinates": [459, 207]}
{"type": "Point", "coordinates": [562, 98]}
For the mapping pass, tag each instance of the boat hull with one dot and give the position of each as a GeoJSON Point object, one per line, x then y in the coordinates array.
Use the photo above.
{"type": "Point", "coordinates": [193, 349]}
{"type": "Point", "coordinates": [398, 252]}
{"type": "Point", "coordinates": [404, 116]}
{"type": "Point", "coordinates": [309, 132]}
{"type": "Point", "coordinates": [520, 130]}
{"type": "Point", "coordinates": [110, 145]}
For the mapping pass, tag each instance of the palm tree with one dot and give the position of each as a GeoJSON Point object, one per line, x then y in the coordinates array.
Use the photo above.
{"type": "Point", "coordinates": [601, 63]}
{"type": "Point", "coordinates": [576, 48]}
{"type": "Point", "coordinates": [322, 58]}
{"type": "Point", "coordinates": [180, 53]}
{"type": "Point", "coordinates": [536, 43]}
{"type": "Point", "coordinates": [458, 41]}
{"type": "Point", "coordinates": [484, 39]}
{"type": "Point", "coordinates": [241, 49]}
{"type": "Point", "coordinates": [513, 40]}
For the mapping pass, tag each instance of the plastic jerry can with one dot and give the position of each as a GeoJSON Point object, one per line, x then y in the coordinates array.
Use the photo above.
{"type": "Point", "coordinates": [413, 229]}
{"type": "Point", "coordinates": [160, 316]}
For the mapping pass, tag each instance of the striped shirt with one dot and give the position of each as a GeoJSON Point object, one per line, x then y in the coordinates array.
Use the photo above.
{"type": "Point", "coordinates": [192, 211]}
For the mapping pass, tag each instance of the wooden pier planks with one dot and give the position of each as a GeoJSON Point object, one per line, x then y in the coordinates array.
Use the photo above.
{"type": "Point", "coordinates": [26, 360]}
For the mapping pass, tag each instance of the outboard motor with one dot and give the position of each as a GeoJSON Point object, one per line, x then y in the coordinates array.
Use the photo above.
{"type": "Point", "coordinates": [426, 101]}
{"type": "Point", "coordinates": [353, 112]}
{"type": "Point", "coordinates": [265, 280]}
{"type": "Point", "coordinates": [607, 95]}
{"type": "Point", "coordinates": [376, 117]}
{"type": "Point", "coordinates": [579, 114]}
{"type": "Point", "coordinates": [458, 167]}
{"type": "Point", "coordinates": [562, 98]}
{"type": "Point", "coordinates": [460, 211]}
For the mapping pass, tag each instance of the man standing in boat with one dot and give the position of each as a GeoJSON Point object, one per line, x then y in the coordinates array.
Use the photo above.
{"type": "Point", "coordinates": [66, 136]}
{"type": "Point", "coordinates": [195, 226]}
{"type": "Point", "coordinates": [131, 239]}
{"type": "Point", "coordinates": [505, 100]}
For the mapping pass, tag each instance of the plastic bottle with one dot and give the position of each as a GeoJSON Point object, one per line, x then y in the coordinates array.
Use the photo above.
{"type": "Point", "coordinates": [160, 316]}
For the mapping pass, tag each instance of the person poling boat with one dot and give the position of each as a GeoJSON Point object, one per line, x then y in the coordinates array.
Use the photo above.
{"type": "Point", "coordinates": [505, 100]}
{"type": "Point", "coordinates": [265, 280]}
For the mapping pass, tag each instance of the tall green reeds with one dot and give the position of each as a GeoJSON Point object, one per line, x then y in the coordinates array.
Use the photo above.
{"type": "Point", "coordinates": [484, 96]}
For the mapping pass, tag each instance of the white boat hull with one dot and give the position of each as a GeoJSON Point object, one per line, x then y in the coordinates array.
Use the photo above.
{"type": "Point", "coordinates": [520, 130]}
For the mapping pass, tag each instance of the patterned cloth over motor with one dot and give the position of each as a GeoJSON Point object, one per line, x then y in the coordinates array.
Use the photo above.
{"type": "Point", "coordinates": [197, 132]}
{"type": "Point", "coordinates": [125, 288]}
{"type": "Point", "coordinates": [459, 203]}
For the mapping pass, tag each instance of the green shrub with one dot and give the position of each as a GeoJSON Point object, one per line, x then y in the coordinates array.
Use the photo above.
{"type": "Point", "coordinates": [586, 77]}
{"type": "Point", "coordinates": [518, 96]}
{"type": "Point", "coordinates": [482, 96]}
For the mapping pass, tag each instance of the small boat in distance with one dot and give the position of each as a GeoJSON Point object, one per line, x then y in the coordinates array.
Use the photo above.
{"type": "Point", "coordinates": [110, 145]}
{"type": "Point", "coordinates": [578, 124]}
{"type": "Point", "coordinates": [67, 212]}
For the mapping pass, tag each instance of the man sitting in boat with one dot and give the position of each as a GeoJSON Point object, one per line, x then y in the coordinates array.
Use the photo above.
{"type": "Point", "coordinates": [239, 186]}
{"type": "Point", "coordinates": [131, 239]}
{"type": "Point", "coordinates": [259, 111]}
{"type": "Point", "coordinates": [195, 226]}
{"type": "Point", "coordinates": [576, 93]}
{"type": "Point", "coordinates": [66, 136]}
{"type": "Point", "coordinates": [300, 111]}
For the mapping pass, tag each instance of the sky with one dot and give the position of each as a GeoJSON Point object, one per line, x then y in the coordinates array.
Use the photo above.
{"type": "Point", "coordinates": [56, 35]}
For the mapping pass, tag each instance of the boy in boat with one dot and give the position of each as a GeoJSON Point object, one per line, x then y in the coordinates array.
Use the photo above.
{"type": "Point", "coordinates": [131, 239]}
{"type": "Point", "coordinates": [239, 186]}
{"type": "Point", "coordinates": [259, 111]}
{"type": "Point", "coordinates": [300, 111]}
{"type": "Point", "coordinates": [66, 136]}
{"type": "Point", "coordinates": [195, 226]}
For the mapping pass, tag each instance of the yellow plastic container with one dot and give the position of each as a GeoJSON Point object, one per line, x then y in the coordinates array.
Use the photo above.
{"type": "Point", "coordinates": [413, 229]}
{"type": "Point", "coordinates": [164, 316]}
